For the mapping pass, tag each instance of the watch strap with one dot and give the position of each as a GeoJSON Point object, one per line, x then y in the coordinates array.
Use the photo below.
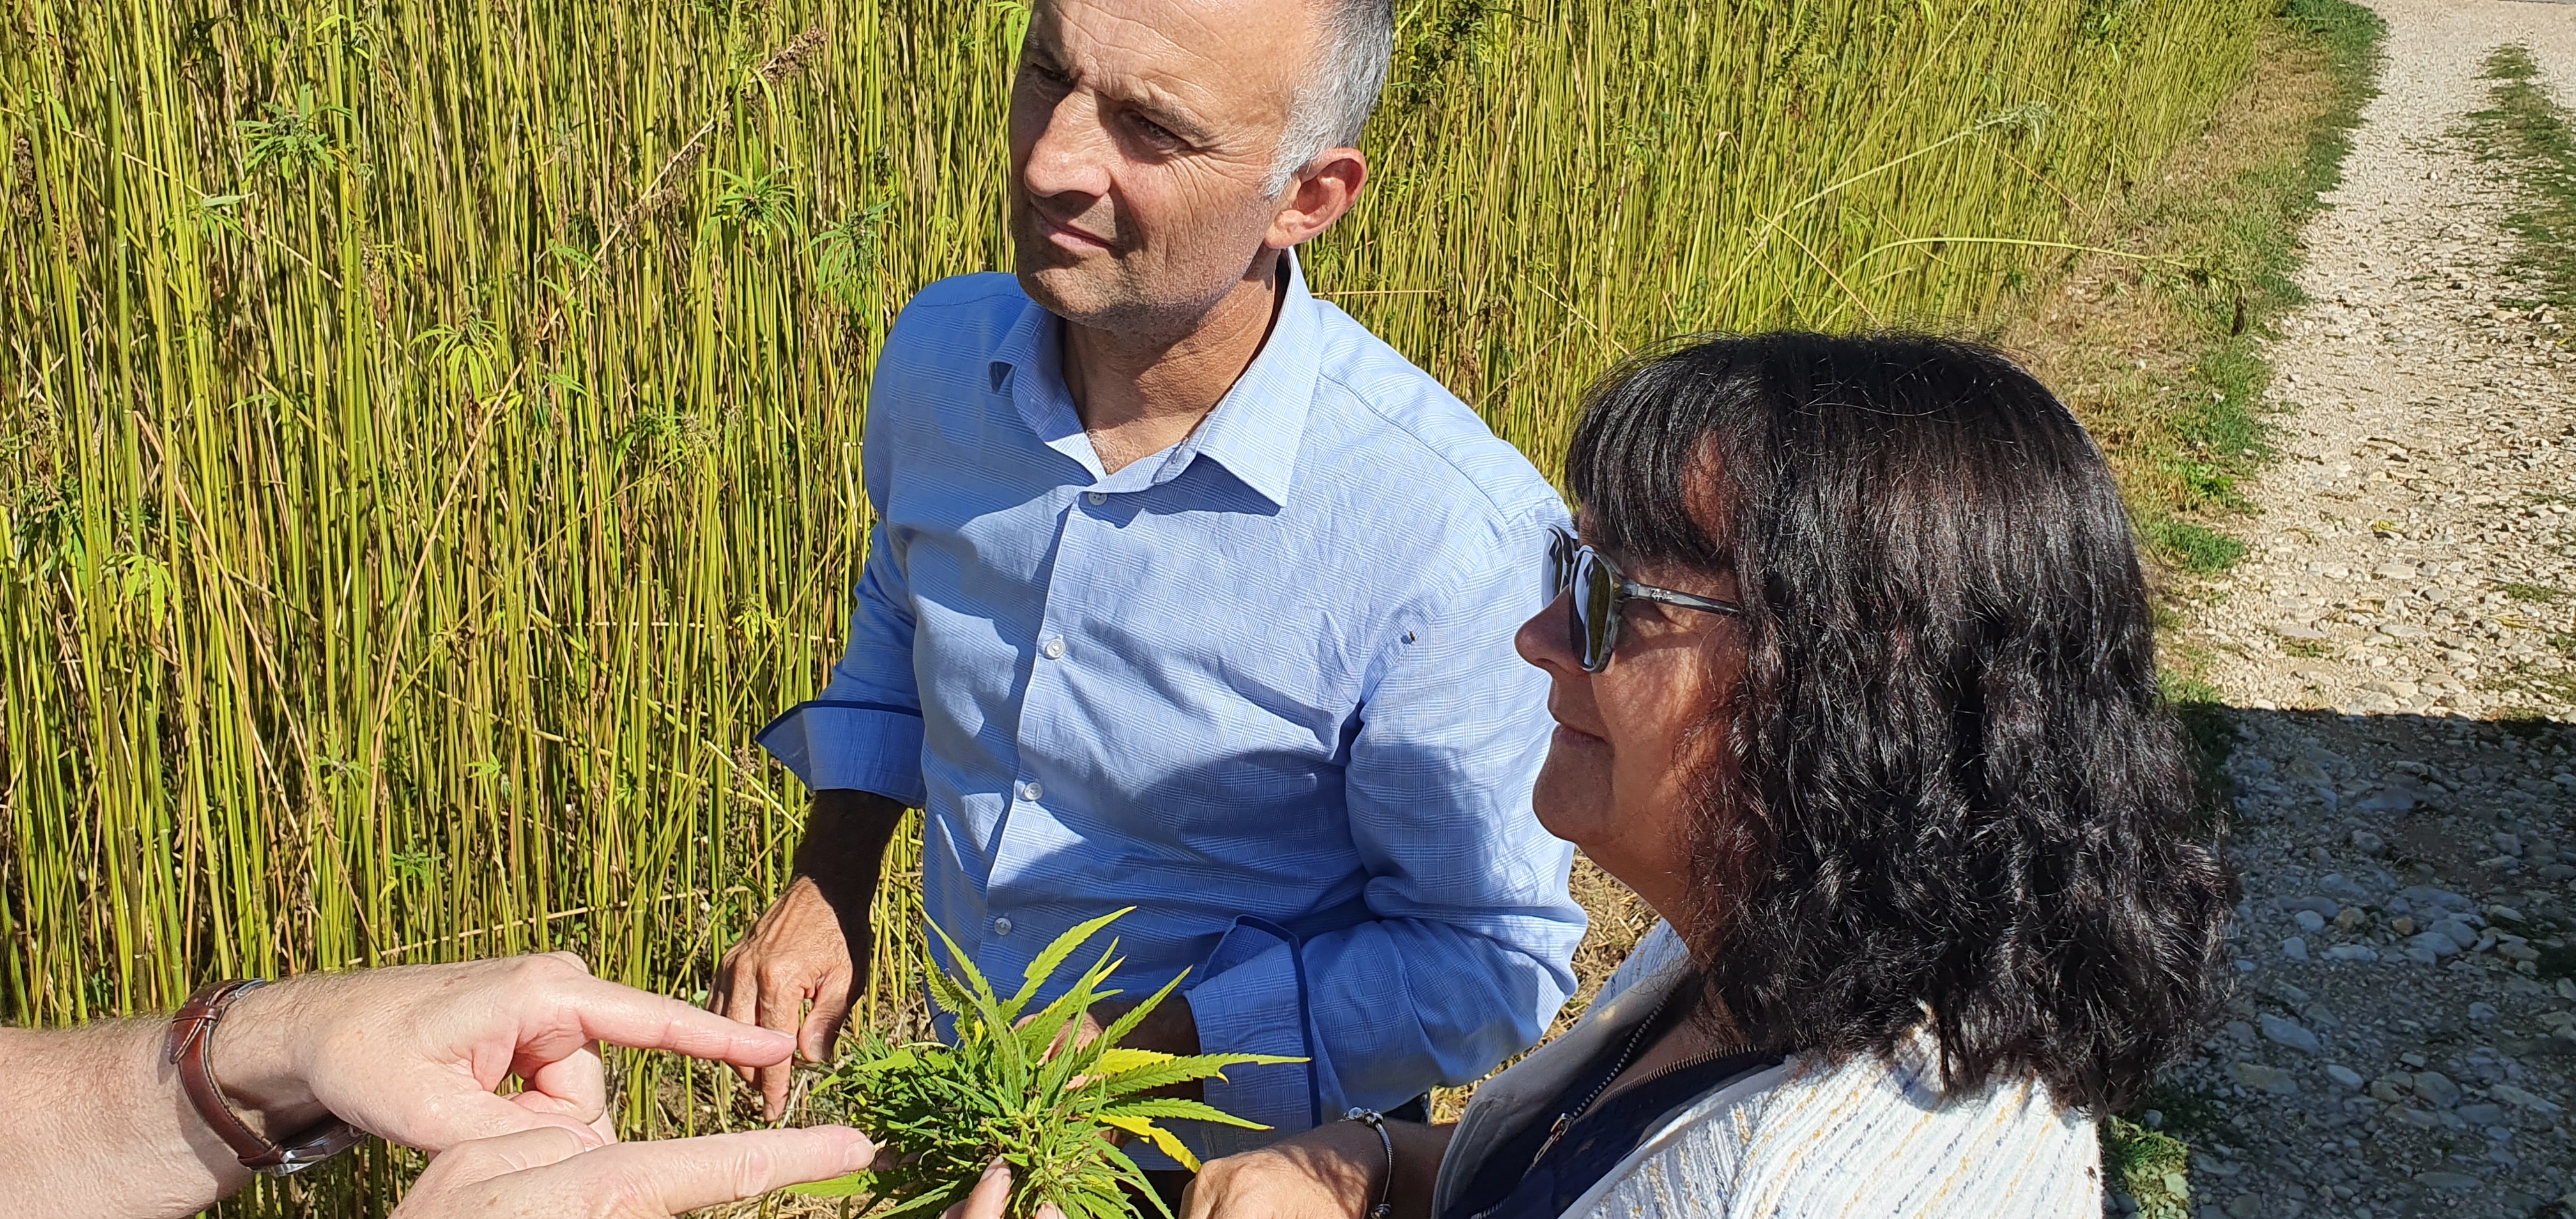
{"type": "Point", "coordinates": [188, 1048]}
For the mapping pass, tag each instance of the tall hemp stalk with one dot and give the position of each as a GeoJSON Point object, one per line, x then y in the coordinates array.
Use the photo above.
{"type": "Point", "coordinates": [429, 431]}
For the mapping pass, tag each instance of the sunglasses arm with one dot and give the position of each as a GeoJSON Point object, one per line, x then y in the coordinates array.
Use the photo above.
{"type": "Point", "coordinates": [1667, 596]}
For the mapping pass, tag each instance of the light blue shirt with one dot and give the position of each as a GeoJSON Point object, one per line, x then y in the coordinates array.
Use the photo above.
{"type": "Point", "coordinates": [1260, 687]}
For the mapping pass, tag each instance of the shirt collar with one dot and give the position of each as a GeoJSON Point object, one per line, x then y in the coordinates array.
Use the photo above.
{"type": "Point", "coordinates": [1255, 430]}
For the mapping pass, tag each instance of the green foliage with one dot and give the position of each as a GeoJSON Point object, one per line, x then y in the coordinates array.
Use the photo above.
{"type": "Point", "coordinates": [2530, 132]}
{"type": "Point", "coordinates": [1016, 1085]}
{"type": "Point", "coordinates": [2535, 594]}
{"type": "Point", "coordinates": [2148, 1165]}
{"type": "Point", "coordinates": [2197, 549]}
{"type": "Point", "coordinates": [296, 137]}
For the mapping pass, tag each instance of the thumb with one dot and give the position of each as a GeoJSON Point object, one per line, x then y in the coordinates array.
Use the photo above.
{"type": "Point", "coordinates": [992, 1193]}
{"type": "Point", "coordinates": [480, 1160]}
{"type": "Point", "coordinates": [669, 1178]}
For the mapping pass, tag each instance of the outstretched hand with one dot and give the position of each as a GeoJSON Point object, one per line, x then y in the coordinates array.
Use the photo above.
{"type": "Point", "coordinates": [414, 1054]}
{"type": "Point", "coordinates": [552, 1173]}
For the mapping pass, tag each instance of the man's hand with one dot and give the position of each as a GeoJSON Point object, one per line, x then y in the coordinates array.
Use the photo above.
{"type": "Point", "coordinates": [554, 1174]}
{"type": "Point", "coordinates": [811, 946]}
{"type": "Point", "coordinates": [414, 1053]}
{"type": "Point", "coordinates": [795, 955]}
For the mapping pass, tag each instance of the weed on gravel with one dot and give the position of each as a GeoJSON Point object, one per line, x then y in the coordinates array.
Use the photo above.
{"type": "Point", "coordinates": [2532, 134]}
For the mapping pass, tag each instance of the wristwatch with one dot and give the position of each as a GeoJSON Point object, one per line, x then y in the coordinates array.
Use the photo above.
{"type": "Point", "coordinates": [192, 1033]}
{"type": "Point", "coordinates": [1376, 1121]}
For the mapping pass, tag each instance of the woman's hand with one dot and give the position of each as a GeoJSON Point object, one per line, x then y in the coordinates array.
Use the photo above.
{"type": "Point", "coordinates": [554, 1173]}
{"type": "Point", "coordinates": [1335, 1169]}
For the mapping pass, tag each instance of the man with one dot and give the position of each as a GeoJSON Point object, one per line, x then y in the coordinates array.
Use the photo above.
{"type": "Point", "coordinates": [100, 1121]}
{"type": "Point", "coordinates": [1188, 594]}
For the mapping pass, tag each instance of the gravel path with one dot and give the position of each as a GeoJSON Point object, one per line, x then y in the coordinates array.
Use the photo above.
{"type": "Point", "coordinates": [2404, 1034]}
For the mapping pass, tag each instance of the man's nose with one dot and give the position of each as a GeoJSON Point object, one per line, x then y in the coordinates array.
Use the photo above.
{"type": "Point", "coordinates": [1071, 156]}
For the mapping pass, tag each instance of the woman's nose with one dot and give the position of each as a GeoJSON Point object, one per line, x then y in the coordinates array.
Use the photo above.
{"type": "Point", "coordinates": [1542, 640]}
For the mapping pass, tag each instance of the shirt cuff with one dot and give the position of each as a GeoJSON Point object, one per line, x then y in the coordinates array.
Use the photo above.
{"type": "Point", "coordinates": [836, 745]}
{"type": "Point", "coordinates": [1254, 1007]}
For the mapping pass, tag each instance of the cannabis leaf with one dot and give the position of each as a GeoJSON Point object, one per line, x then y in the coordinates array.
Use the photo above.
{"type": "Point", "coordinates": [1015, 1085]}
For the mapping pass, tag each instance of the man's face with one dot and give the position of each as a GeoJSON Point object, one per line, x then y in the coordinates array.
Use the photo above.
{"type": "Point", "coordinates": [1143, 133]}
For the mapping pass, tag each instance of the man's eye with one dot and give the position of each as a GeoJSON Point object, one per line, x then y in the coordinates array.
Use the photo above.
{"type": "Point", "coordinates": [1157, 132]}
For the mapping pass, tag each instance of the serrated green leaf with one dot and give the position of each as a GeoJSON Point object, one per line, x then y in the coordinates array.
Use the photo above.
{"type": "Point", "coordinates": [1183, 1070]}
{"type": "Point", "coordinates": [1178, 1107]}
{"type": "Point", "coordinates": [898, 1060]}
{"type": "Point", "coordinates": [1086, 1062]}
{"type": "Point", "coordinates": [1125, 1058]}
{"type": "Point", "coordinates": [1046, 963]}
{"type": "Point", "coordinates": [851, 1186]}
{"type": "Point", "coordinates": [1162, 1139]}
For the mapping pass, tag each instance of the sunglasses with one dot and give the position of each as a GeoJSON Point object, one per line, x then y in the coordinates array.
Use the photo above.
{"type": "Point", "coordinates": [1592, 613]}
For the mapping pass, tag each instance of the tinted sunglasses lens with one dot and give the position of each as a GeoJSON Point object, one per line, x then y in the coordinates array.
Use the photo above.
{"type": "Point", "coordinates": [1560, 562]}
{"type": "Point", "coordinates": [1595, 611]}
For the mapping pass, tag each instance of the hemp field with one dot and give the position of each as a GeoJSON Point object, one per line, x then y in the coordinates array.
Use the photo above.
{"type": "Point", "coordinates": [429, 432]}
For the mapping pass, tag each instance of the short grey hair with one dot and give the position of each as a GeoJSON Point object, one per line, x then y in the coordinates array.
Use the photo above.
{"type": "Point", "coordinates": [1341, 85]}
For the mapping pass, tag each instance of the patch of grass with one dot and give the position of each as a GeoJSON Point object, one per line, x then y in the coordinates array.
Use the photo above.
{"type": "Point", "coordinates": [2306, 649]}
{"type": "Point", "coordinates": [2148, 1165]}
{"type": "Point", "coordinates": [2197, 549]}
{"type": "Point", "coordinates": [2536, 594]}
{"type": "Point", "coordinates": [2533, 681]}
{"type": "Point", "coordinates": [2527, 130]}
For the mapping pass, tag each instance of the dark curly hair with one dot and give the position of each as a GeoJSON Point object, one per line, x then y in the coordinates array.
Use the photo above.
{"type": "Point", "coordinates": [1946, 779]}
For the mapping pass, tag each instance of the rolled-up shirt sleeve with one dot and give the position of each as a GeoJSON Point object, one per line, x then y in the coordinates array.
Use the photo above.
{"type": "Point", "coordinates": [863, 732]}
{"type": "Point", "coordinates": [1468, 956]}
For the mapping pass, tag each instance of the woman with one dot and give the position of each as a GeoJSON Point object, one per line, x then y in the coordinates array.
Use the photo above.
{"type": "Point", "coordinates": [1856, 688]}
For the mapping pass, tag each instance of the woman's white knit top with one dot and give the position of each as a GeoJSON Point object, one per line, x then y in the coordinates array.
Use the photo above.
{"type": "Point", "coordinates": [1867, 1139]}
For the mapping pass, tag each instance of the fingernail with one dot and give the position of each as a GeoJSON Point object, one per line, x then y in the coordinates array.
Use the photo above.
{"type": "Point", "coordinates": [995, 1167]}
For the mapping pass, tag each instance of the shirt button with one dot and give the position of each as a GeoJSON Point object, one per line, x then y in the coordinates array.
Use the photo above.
{"type": "Point", "coordinates": [1031, 791]}
{"type": "Point", "coordinates": [1002, 925]}
{"type": "Point", "coordinates": [1097, 498]}
{"type": "Point", "coordinates": [1054, 649]}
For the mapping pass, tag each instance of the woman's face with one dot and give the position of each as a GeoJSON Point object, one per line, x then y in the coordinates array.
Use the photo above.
{"type": "Point", "coordinates": [1617, 777]}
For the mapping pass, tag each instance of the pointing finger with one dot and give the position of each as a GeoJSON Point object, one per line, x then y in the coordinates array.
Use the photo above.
{"type": "Point", "coordinates": [621, 1015]}
{"type": "Point", "coordinates": [669, 1178]}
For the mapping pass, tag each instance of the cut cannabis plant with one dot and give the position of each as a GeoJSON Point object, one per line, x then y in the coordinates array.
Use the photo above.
{"type": "Point", "coordinates": [1017, 1086]}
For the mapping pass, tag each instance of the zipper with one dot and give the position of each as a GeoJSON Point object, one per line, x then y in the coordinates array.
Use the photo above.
{"type": "Point", "coordinates": [1566, 1120]}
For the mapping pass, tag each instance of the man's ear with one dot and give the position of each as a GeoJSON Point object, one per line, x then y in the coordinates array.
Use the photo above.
{"type": "Point", "coordinates": [1321, 193]}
